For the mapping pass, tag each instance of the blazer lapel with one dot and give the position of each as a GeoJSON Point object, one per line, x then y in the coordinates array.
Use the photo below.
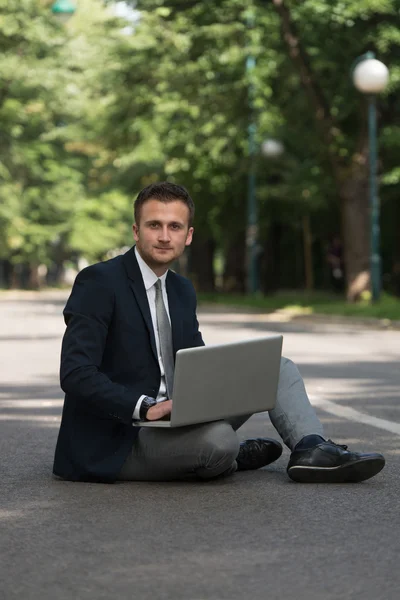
{"type": "Point", "coordinates": [137, 286]}
{"type": "Point", "coordinates": [175, 312]}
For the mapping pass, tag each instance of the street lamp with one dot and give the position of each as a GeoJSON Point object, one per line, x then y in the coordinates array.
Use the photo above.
{"type": "Point", "coordinates": [63, 9]}
{"type": "Point", "coordinates": [370, 76]}
{"type": "Point", "coordinates": [252, 213]}
{"type": "Point", "coordinates": [272, 148]}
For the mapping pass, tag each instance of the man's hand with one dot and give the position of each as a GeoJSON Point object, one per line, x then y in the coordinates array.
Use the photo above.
{"type": "Point", "coordinates": [160, 410]}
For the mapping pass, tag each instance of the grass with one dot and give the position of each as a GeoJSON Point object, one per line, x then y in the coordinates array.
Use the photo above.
{"type": "Point", "coordinates": [306, 303]}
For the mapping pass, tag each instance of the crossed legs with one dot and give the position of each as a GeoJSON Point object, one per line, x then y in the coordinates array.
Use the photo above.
{"type": "Point", "coordinates": [208, 450]}
{"type": "Point", "coordinates": [196, 452]}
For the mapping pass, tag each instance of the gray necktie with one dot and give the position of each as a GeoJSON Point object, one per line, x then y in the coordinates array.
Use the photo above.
{"type": "Point", "coordinates": [165, 337]}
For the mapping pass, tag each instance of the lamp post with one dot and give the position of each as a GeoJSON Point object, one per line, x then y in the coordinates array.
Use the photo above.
{"type": "Point", "coordinates": [370, 76]}
{"type": "Point", "coordinates": [252, 213]}
{"type": "Point", "coordinates": [271, 149]}
{"type": "Point", "coordinates": [63, 9]}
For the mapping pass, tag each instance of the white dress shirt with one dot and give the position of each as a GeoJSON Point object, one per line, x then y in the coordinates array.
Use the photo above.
{"type": "Point", "coordinates": [149, 280]}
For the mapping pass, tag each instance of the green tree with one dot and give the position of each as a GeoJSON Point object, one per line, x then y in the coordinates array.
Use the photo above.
{"type": "Point", "coordinates": [322, 41]}
{"type": "Point", "coordinates": [303, 94]}
{"type": "Point", "coordinates": [54, 165]}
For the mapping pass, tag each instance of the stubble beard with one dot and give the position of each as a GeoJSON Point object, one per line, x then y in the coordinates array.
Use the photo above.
{"type": "Point", "coordinates": [153, 259]}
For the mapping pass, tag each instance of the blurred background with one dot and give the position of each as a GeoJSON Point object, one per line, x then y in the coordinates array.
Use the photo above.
{"type": "Point", "coordinates": [276, 115]}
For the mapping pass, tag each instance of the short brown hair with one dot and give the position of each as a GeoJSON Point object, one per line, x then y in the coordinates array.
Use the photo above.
{"type": "Point", "coordinates": [164, 191]}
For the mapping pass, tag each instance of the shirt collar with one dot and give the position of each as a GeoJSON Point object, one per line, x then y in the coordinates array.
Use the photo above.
{"type": "Point", "coordinates": [149, 277]}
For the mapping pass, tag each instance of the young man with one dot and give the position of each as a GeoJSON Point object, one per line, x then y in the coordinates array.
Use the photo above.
{"type": "Point", "coordinates": [126, 318]}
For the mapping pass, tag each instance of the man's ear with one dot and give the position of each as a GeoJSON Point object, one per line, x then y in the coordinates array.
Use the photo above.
{"type": "Point", "coordinates": [135, 229]}
{"type": "Point", "coordinates": [189, 236]}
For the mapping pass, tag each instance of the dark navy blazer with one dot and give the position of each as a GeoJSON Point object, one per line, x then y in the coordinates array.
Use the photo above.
{"type": "Point", "coordinates": [108, 360]}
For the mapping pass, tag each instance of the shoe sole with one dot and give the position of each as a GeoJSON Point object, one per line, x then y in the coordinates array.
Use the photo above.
{"type": "Point", "coordinates": [352, 472]}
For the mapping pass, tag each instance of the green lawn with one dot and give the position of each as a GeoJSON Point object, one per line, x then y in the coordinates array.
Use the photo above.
{"type": "Point", "coordinates": [301, 302]}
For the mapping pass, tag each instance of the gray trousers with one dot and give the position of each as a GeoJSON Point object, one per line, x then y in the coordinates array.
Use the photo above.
{"type": "Point", "coordinates": [208, 450]}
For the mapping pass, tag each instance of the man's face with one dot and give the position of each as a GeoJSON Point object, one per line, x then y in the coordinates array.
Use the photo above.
{"type": "Point", "coordinates": [163, 233]}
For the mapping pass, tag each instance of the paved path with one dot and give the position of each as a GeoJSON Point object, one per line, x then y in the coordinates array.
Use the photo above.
{"type": "Point", "coordinates": [256, 535]}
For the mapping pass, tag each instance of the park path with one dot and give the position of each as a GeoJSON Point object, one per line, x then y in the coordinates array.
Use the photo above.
{"type": "Point", "coordinates": [255, 535]}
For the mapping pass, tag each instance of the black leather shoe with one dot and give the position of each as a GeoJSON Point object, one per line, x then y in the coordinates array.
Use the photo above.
{"type": "Point", "coordinates": [257, 453]}
{"type": "Point", "coordinates": [331, 463]}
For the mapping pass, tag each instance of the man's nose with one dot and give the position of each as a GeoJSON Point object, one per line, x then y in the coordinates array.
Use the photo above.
{"type": "Point", "coordinates": [164, 234]}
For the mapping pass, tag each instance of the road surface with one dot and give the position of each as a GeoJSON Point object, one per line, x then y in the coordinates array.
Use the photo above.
{"type": "Point", "coordinates": [255, 535]}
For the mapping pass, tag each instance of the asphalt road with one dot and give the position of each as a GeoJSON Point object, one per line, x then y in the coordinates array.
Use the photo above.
{"type": "Point", "coordinates": [255, 535]}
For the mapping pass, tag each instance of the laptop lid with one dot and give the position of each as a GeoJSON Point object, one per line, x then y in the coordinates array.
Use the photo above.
{"type": "Point", "coordinates": [225, 380]}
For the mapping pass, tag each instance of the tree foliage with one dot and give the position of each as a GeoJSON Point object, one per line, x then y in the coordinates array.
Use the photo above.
{"type": "Point", "coordinates": [92, 112]}
{"type": "Point", "coordinates": [52, 157]}
{"type": "Point", "coordinates": [303, 95]}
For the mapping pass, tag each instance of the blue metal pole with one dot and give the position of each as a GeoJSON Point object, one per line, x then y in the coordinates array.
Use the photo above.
{"type": "Point", "coordinates": [374, 202]}
{"type": "Point", "coordinates": [252, 216]}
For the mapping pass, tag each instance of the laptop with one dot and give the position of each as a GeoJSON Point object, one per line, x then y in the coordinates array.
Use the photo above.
{"type": "Point", "coordinates": [224, 380]}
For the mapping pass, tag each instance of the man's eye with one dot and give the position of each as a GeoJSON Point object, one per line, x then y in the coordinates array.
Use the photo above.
{"type": "Point", "coordinates": [153, 225]}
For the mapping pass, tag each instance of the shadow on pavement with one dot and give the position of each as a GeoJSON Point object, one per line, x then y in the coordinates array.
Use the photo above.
{"type": "Point", "coordinates": [278, 326]}
{"type": "Point", "coordinates": [29, 338]}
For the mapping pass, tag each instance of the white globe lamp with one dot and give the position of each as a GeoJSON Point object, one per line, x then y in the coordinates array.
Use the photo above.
{"type": "Point", "coordinates": [370, 76]}
{"type": "Point", "coordinates": [272, 148]}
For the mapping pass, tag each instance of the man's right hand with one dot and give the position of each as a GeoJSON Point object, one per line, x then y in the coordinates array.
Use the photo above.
{"type": "Point", "coordinates": [160, 410]}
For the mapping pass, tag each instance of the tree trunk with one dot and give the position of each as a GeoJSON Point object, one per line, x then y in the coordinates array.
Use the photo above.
{"type": "Point", "coordinates": [234, 279]}
{"type": "Point", "coordinates": [33, 277]}
{"type": "Point", "coordinates": [395, 271]}
{"type": "Point", "coordinates": [308, 257]}
{"type": "Point", "coordinates": [356, 233]}
{"type": "Point", "coordinates": [54, 276]}
{"type": "Point", "coordinates": [6, 270]}
{"type": "Point", "coordinates": [352, 183]}
{"type": "Point", "coordinates": [271, 259]}
{"type": "Point", "coordinates": [15, 276]}
{"type": "Point", "coordinates": [202, 263]}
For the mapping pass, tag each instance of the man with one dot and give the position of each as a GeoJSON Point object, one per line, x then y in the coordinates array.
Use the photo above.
{"type": "Point", "coordinates": [126, 318]}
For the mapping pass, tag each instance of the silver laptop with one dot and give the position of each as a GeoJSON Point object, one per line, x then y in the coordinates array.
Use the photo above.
{"type": "Point", "coordinates": [222, 381]}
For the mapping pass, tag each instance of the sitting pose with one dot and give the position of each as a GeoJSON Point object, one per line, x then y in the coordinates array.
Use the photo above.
{"type": "Point", "coordinates": [126, 319]}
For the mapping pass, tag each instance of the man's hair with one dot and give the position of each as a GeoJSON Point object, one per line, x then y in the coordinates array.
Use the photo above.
{"type": "Point", "coordinates": [164, 191]}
